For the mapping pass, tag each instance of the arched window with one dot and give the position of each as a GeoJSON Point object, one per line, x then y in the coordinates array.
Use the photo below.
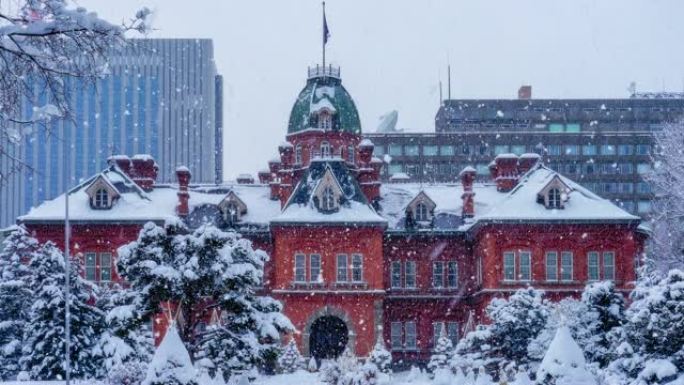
{"type": "Point", "coordinates": [232, 214]}
{"type": "Point", "coordinates": [325, 121]}
{"type": "Point", "coordinates": [328, 200]}
{"type": "Point", "coordinates": [351, 154]}
{"type": "Point", "coordinates": [421, 212]}
{"type": "Point", "coordinates": [325, 150]}
{"type": "Point", "coordinates": [101, 199]}
{"type": "Point", "coordinates": [298, 154]}
{"type": "Point", "coordinates": [555, 198]}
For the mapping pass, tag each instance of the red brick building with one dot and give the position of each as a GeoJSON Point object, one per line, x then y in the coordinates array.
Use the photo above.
{"type": "Point", "coordinates": [352, 259]}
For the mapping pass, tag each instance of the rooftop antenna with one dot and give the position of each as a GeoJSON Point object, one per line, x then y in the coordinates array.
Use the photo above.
{"type": "Point", "coordinates": [449, 81]}
{"type": "Point", "coordinates": [441, 99]}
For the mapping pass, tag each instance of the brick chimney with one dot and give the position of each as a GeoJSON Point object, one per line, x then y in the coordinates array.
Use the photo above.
{"type": "Point", "coordinates": [183, 175]}
{"type": "Point", "coordinates": [144, 171]}
{"type": "Point", "coordinates": [245, 179]}
{"type": "Point", "coordinates": [274, 167]}
{"type": "Point", "coordinates": [265, 176]}
{"type": "Point", "coordinates": [365, 151]}
{"type": "Point", "coordinates": [526, 162]}
{"type": "Point", "coordinates": [506, 168]}
{"type": "Point", "coordinates": [467, 178]}
{"type": "Point", "coordinates": [525, 92]}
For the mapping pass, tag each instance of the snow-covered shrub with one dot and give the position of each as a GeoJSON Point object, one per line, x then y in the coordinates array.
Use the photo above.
{"type": "Point", "coordinates": [441, 353]}
{"type": "Point", "coordinates": [515, 322]}
{"type": "Point", "coordinates": [564, 362]}
{"type": "Point", "coordinates": [521, 377]}
{"type": "Point", "coordinates": [43, 346]}
{"type": "Point", "coordinates": [652, 337]}
{"type": "Point", "coordinates": [290, 359]}
{"type": "Point", "coordinates": [380, 356]}
{"type": "Point", "coordinates": [330, 372]}
{"type": "Point", "coordinates": [171, 363]}
{"type": "Point", "coordinates": [483, 378]}
{"type": "Point", "coordinates": [16, 297]}
{"type": "Point", "coordinates": [366, 374]}
{"type": "Point", "coordinates": [126, 373]}
{"type": "Point", "coordinates": [312, 366]}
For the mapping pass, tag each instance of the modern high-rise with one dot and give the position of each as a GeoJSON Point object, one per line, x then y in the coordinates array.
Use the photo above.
{"type": "Point", "coordinates": [161, 97]}
{"type": "Point", "coordinates": [605, 144]}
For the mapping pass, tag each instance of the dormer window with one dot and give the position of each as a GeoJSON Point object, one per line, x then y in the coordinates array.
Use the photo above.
{"type": "Point", "coordinates": [555, 194]}
{"type": "Point", "coordinates": [231, 213]}
{"type": "Point", "coordinates": [325, 150]}
{"type": "Point", "coordinates": [101, 199]}
{"type": "Point", "coordinates": [102, 194]}
{"type": "Point", "coordinates": [325, 121]}
{"type": "Point", "coordinates": [555, 201]}
{"type": "Point", "coordinates": [422, 213]}
{"type": "Point", "coordinates": [328, 200]}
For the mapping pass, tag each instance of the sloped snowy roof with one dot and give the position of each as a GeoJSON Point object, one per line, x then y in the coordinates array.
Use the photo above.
{"type": "Point", "coordinates": [520, 204]}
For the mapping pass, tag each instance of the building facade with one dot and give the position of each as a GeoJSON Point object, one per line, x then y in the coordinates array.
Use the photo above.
{"type": "Point", "coordinates": [354, 259]}
{"type": "Point", "coordinates": [606, 144]}
{"type": "Point", "coordinates": [162, 98]}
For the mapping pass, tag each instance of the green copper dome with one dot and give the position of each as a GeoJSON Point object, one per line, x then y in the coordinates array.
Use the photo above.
{"type": "Point", "coordinates": [324, 93]}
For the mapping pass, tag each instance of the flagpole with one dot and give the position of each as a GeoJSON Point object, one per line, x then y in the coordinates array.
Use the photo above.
{"type": "Point", "coordinates": [323, 35]}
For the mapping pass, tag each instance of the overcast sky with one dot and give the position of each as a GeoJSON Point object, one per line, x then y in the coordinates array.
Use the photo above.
{"type": "Point", "coordinates": [393, 53]}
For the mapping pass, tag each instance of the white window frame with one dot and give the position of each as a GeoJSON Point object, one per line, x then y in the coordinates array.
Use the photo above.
{"type": "Point", "coordinates": [395, 275]}
{"type": "Point", "coordinates": [553, 269]}
{"type": "Point", "coordinates": [326, 150]}
{"type": "Point", "coordinates": [525, 254]}
{"type": "Point", "coordinates": [315, 267]}
{"type": "Point", "coordinates": [596, 265]}
{"type": "Point", "coordinates": [422, 214]}
{"type": "Point", "coordinates": [437, 328]}
{"type": "Point", "coordinates": [104, 266]}
{"type": "Point", "coordinates": [564, 276]}
{"type": "Point", "coordinates": [438, 276]}
{"type": "Point", "coordinates": [453, 330]}
{"type": "Point", "coordinates": [508, 266]}
{"type": "Point", "coordinates": [396, 336]}
{"type": "Point", "coordinates": [300, 268]}
{"type": "Point", "coordinates": [101, 198]}
{"type": "Point", "coordinates": [555, 201]}
{"type": "Point", "coordinates": [411, 336]}
{"type": "Point", "coordinates": [606, 266]}
{"type": "Point", "coordinates": [328, 199]}
{"type": "Point", "coordinates": [298, 154]}
{"type": "Point", "coordinates": [410, 272]}
{"type": "Point", "coordinates": [342, 268]}
{"type": "Point", "coordinates": [357, 268]}
{"type": "Point", "coordinates": [351, 154]}
{"type": "Point", "coordinates": [452, 272]}
{"type": "Point", "coordinates": [90, 270]}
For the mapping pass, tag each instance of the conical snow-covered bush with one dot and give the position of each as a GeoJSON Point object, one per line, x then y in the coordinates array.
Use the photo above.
{"type": "Point", "coordinates": [564, 362]}
{"type": "Point", "coordinates": [171, 364]}
{"type": "Point", "coordinates": [290, 359]}
{"type": "Point", "coordinates": [380, 356]}
{"type": "Point", "coordinates": [442, 353]}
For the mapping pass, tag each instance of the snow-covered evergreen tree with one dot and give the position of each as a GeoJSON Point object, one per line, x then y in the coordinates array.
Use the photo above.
{"type": "Point", "coordinates": [43, 346]}
{"type": "Point", "coordinates": [380, 356]}
{"type": "Point", "coordinates": [516, 322]}
{"type": "Point", "coordinates": [171, 364]}
{"type": "Point", "coordinates": [191, 269]}
{"type": "Point", "coordinates": [441, 354]}
{"type": "Point", "coordinates": [564, 362]}
{"type": "Point", "coordinates": [15, 297]}
{"type": "Point", "coordinates": [650, 345]}
{"type": "Point", "coordinates": [482, 377]}
{"type": "Point", "coordinates": [605, 310]}
{"type": "Point", "coordinates": [126, 344]}
{"type": "Point", "coordinates": [290, 359]}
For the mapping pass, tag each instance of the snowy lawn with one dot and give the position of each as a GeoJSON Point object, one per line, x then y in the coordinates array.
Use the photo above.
{"type": "Point", "coordinates": [302, 377]}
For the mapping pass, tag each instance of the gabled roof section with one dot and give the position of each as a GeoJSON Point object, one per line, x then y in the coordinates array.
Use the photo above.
{"type": "Point", "coordinates": [354, 207]}
{"type": "Point", "coordinates": [232, 197]}
{"type": "Point", "coordinates": [100, 181]}
{"type": "Point", "coordinates": [424, 198]}
{"type": "Point", "coordinates": [582, 205]}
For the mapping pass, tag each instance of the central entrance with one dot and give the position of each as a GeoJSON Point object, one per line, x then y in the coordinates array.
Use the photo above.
{"type": "Point", "coordinates": [329, 337]}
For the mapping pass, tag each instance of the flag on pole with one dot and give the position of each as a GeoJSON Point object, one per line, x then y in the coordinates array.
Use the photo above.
{"type": "Point", "coordinates": [326, 31]}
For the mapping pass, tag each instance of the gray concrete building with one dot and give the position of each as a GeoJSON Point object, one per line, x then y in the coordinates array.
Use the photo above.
{"type": "Point", "coordinates": [162, 97]}
{"type": "Point", "coordinates": [604, 144]}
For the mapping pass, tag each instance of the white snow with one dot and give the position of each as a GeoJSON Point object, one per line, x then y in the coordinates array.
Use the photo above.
{"type": "Point", "coordinates": [564, 361]}
{"type": "Point", "coordinates": [322, 104]}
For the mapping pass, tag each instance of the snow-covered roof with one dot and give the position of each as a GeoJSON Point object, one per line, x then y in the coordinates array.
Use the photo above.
{"type": "Point", "coordinates": [518, 205]}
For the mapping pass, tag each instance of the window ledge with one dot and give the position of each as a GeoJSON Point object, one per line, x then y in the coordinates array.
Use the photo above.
{"type": "Point", "coordinates": [307, 285]}
{"type": "Point", "coordinates": [350, 285]}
